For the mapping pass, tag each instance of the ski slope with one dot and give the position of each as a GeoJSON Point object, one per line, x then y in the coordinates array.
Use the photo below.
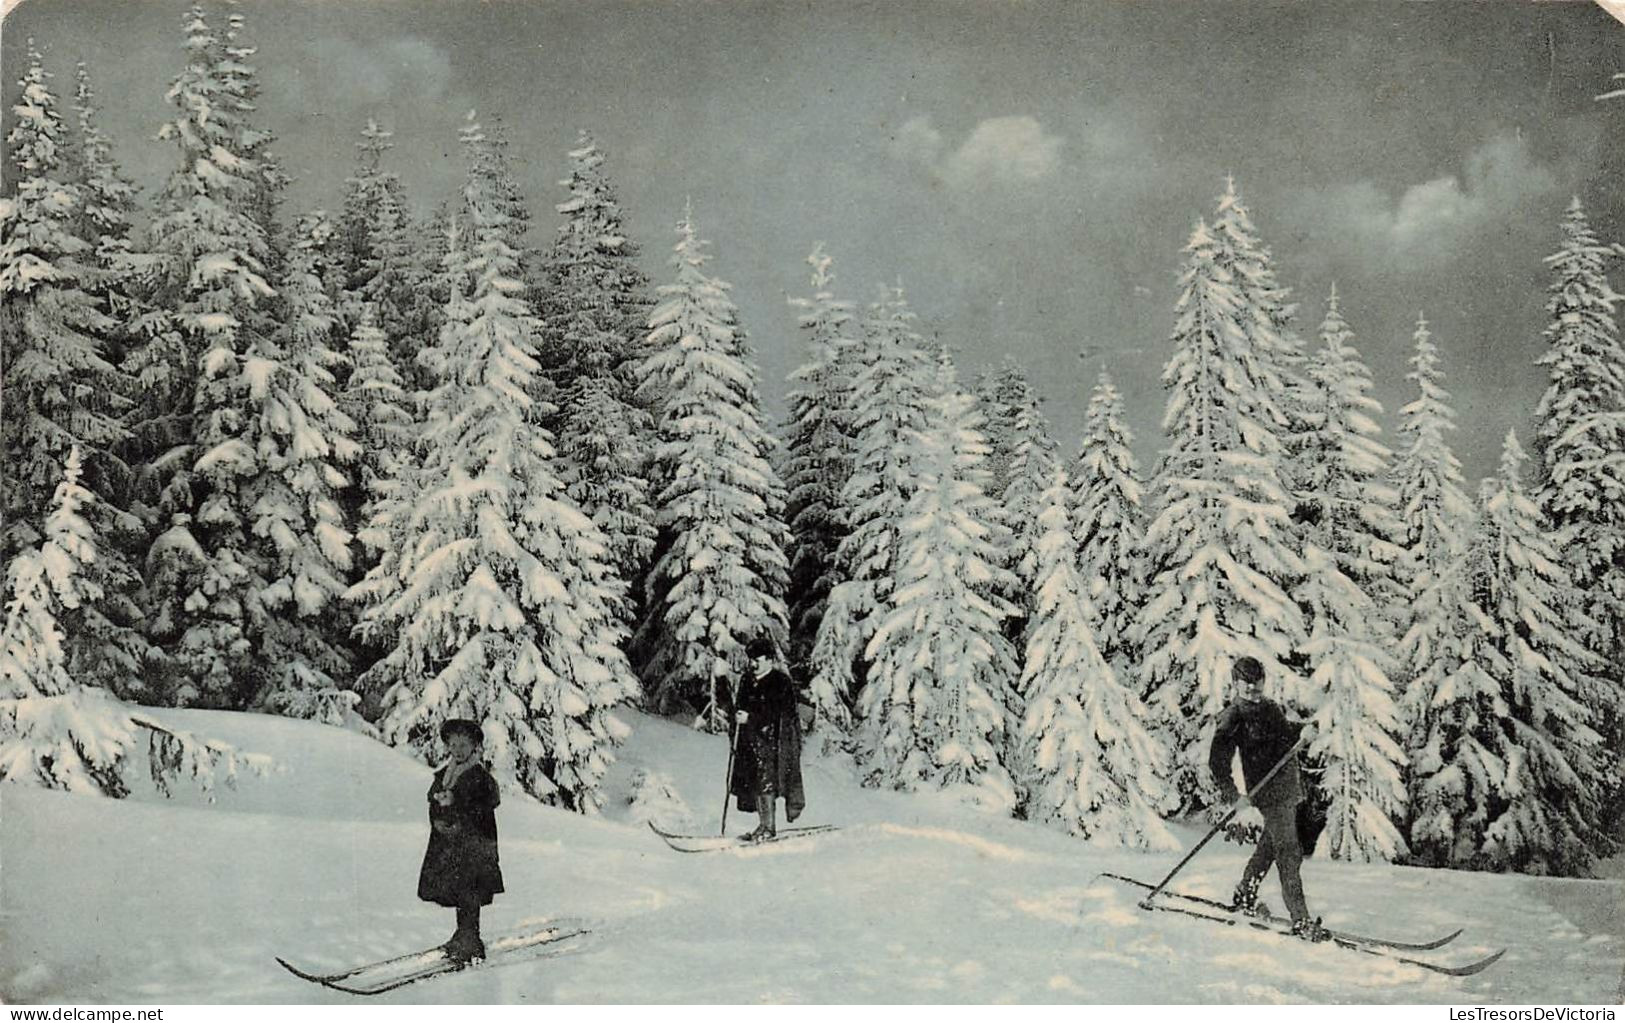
{"type": "Point", "coordinates": [916, 899]}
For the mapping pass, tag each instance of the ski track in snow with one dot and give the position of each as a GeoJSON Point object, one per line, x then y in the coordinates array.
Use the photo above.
{"type": "Point", "coordinates": [916, 899]}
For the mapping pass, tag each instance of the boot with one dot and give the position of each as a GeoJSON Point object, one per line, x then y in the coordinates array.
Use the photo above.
{"type": "Point", "coordinates": [1245, 899]}
{"type": "Point", "coordinates": [766, 807]}
{"type": "Point", "coordinates": [465, 946]}
{"type": "Point", "coordinates": [1309, 930]}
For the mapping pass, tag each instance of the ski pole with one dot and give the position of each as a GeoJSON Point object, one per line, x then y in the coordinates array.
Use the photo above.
{"type": "Point", "coordinates": [733, 741]}
{"type": "Point", "coordinates": [1145, 903]}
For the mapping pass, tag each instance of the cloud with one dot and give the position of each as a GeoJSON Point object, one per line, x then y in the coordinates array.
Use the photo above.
{"type": "Point", "coordinates": [999, 151]}
{"type": "Point", "coordinates": [1433, 221]}
{"type": "Point", "coordinates": [343, 71]}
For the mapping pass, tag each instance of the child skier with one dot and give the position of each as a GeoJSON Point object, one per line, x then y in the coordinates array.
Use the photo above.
{"type": "Point", "coordinates": [460, 867]}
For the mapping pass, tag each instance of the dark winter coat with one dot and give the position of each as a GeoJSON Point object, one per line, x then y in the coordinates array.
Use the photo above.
{"type": "Point", "coordinates": [767, 750]}
{"type": "Point", "coordinates": [461, 867]}
{"type": "Point", "coordinates": [1264, 734]}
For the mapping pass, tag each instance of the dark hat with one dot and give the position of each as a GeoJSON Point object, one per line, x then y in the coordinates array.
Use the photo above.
{"type": "Point", "coordinates": [761, 646]}
{"type": "Point", "coordinates": [462, 726]}
{"type": "Point", "coordinates": [1247, 669]}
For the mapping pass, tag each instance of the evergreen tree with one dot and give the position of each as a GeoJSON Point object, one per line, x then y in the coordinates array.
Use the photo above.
{"type": "Point", "coordinates": [302, 439]}
{"type": "Point", "coordinates": [893, 379]}
{"type": "Point", "coordinates": [819, 445]}
{"type": "Point", "coordinates": [1458, 766]}
{"type": "Point", "coordinates": [1089, 765]}
{"type": "Point", "coordinates": [593, 298]}
{"type": "Point", "coordinates": [1435, 516]}
{"type": "Point", "coordinates": [1220, 546]}
{"type": "Point", "coordinates": [57, 371]}
{"type": "Point", "coordinates": [381, 259]}
{"type": "Point", "coordinates": [721, 574]}
{"type": "Point", "coordinates": [211, 282]}
{"type": "Point", "coordinates": [931, 708]}
{"type": "Point", "coordinates": [1580, 441]}
{"type": "Point", "coordinates": [53, 733]}
{"type": "Point", "coordinates": [1109, 526]}
{"type": "Point", "coordinates": [1548, 824]}
{"type": "Point", "coordinates": [1347, 592]}
{"type": "Point", "coordinates": [499, 602]}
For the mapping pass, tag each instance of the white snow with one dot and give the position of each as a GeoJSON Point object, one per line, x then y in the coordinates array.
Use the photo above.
{"type": "Point", "coordinates": [917, 899]}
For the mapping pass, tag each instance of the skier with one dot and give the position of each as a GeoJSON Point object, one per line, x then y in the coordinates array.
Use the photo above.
{"type": "Point", "coordinates": [767, 757]}
{"type": "Point", "coordinates": [460, 867]}
{"type": "Point", "coordinates": [1263, 733]}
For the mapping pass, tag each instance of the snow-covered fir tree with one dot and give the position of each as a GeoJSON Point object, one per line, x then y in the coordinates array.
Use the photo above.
{"type": "Point", "coordinates": [721, 573]}
{"type": "Point", "coordinates": [383, 264]}
{"type": "Point", "coordinates": [1548, 823]}
{"type": "Point", "coordinates": [592, 301]}
{"type": "Point", "coordinates": [1349, 594]}
{"type": "Point", "coordinates": [1458, 764]}
{"type": "Point", "coordinates": [1580, 441]}
{"type": "Point", "coordinates": [1435, 516]}
{"type": "Point", "coordinates": [1088, 765]}
{"type": "Point", "coordinates": [304, 443]}
{"type": "Point", "coordinates": [376, 401]}
{"type": "Point", "coordinates": [938, 661]}
{"type": "Point", "coordinates": [894, 379]}
{"type": "Point", "coordinates": [55, 733]}
{"type": "Point", "coordinates": [819, 445]}
{"type": "Point", "coordinates": [58, 349]}
{"type": "Point", "coordinates": [500, 602]}
{"type": "Point", "coordinates": [212, 246]}
{"type": "Point", "coordinates": [1220, 550]}
{"type": "Point", "coordinates": [1108, 522]}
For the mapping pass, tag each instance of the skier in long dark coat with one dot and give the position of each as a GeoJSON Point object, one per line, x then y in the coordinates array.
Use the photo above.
{"type": "Point", "coordinates": [1260, 729]}
{"type": "Point", "coordinates": [460, 867]}
{"type": "Point", "coordinates": [767, 755]}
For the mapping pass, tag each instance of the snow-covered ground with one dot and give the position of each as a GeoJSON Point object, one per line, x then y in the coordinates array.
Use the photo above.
{"type": "Point", "coordinates": [915, 900]}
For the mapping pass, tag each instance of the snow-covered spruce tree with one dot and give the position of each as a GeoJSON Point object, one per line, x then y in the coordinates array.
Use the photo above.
{"type": "Point", "coordinates": [1275, 357]}
{"type": "Point", "coordinates": [593, 300]}
{"type": "Point", "coordinates": [1219, 546]}
{"type": "Point", "coordinates": [931, 708]}
{"type": "Point", "coordinates": [499, 603]}
{"type": "Point", "coordinates": [1108, 521]}
{"type": "Point", "coordinates": [819, 443]}
{"type": "Point", "coordinates": [1027, 465]}
{"type": "Point", "coordinates": [1580, 442]}
{"type": "Point", "coordinates": [893, 381]}
{"type": "Point", "coordinates": [721, 573]}
{"type": "Point", "coordinates": [382, 261]}
{"type": "Point", "coordinates": [375, 400]}
{"type": "Point", "coordinates": [57, 372]}
{"type": "Point", "coordinates": [1349, 594]}
{"type": "Point", "coordinates": [1435, 515]}
{"type": "Point", "coordinates": [210, 281]}
{"type": "Point", "coordinates": [53, 732]}
{"type": "Point", "coordinates": [1087, 763]}
{"type": "Point", "coordinates": [303, 445]}
{"type": "Point", "coordinates": [1458, 764]}
{"type": "Point", "coordinates": [1553, 788]}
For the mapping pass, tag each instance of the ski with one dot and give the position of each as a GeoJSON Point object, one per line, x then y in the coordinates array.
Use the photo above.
{"type": "Point", "coordinates": [1464, 970]}
{"type": "Point", "coordinates": [716, 843]}
{"type": "Point", "coordinates": [433, 962]}
{"type": "Point", "coordinates": [1403, 946]}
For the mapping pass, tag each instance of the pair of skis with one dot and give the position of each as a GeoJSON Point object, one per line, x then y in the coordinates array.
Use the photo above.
{"type": "Point", "coordinates": [543, 941]}
{"type": "Point", "coordinates": [1388, 948]}
{"type": "Point", "coordinates": [716, 843]}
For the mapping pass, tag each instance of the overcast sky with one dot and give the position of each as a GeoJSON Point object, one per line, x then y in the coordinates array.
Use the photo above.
{"type": "Point", "coordinates": [1030, 171]}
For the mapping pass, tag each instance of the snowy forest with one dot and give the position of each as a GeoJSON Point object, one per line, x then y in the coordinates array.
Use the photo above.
{"type": "Point", "coordinates": [428, 457]}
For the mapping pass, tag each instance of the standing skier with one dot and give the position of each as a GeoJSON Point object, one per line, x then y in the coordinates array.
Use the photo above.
{"type": "Point", "coordinates": [1260, 729]}
{"type": "Point", "coordinates": [767, 758]}
{"type": "Point", "coordinates": [460, 867]}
